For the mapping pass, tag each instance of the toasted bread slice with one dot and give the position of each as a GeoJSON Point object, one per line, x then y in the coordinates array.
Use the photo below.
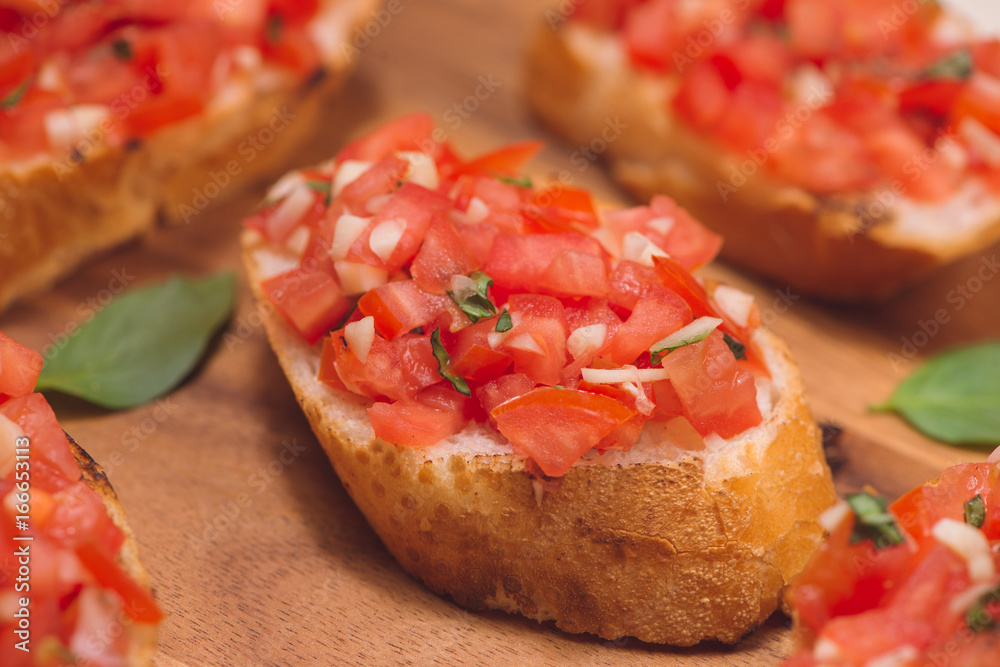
{"type": "Point", "coordinates": [142, 636]}
{"type": "Point", "coordinates": [852, 247]}
{"type": "Point", "coordinates": [657, 543]}
{"type": "Point", "coordinates": [54, 214]}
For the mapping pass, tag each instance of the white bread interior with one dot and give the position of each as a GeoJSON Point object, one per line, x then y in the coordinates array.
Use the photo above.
{"type": "Point", "coordinates": [658, 543]}
{"type": "Point", "coordinates": [54, 215]}
{"type": "Point", "coordinates": [578, 80]}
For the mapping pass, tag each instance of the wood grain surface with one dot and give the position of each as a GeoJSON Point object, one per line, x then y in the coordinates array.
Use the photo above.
{"type": "Point", "coordinates": [256, 552]}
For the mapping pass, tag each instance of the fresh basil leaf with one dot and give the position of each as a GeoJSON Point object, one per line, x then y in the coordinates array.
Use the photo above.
{"type": "Point", "coordinates": [738, 349]}
{"type": "Point", "coordinates": [955, 397]}
{"type": "Point", "coordinates": [324, 187]}
{"type": "Point", "coordinates": [274, 29]}
{"type": "Point", "coordinates": [874, 522]}
{"type": "Point", "coordinates": [979, 618]}
{"type": "Point", "coordinates": [975, 512]}
{"type": "Point", "coordinates": [122, 49]}
{"type": "Point", "coordinates": [143, 343]}
{"type": "Point", "coordinates": [523, 182]}
{"type": "Point", "coordinates": [443, 359]}
{"type": "Point", "coordinates": [955, 66]}
{"type": "Point", "coordinates": [478, 305]}
{"type": "Point", "coordinates": [15, 95]}
{"type": "Point", "coordinates": [504, 323]}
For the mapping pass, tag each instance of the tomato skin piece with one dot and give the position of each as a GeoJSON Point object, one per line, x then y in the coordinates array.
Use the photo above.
{"type": "Point", "coordinates": [441, 256]}
{"type": "Point", "coordinates": [19, 368]}
{"type": "Point", "coordinates": [506, 161]}
{"type": "Point", "coordinates": [425, 420]}
{"type": "Point", "coordinates": [654, 317]}
{"type": "Point", "coordinates": [407, 133]}
{"type": "Point", "coordinates": [718, 396]}
{"type": "Point", "coordinates": [562, 209]}
{"type": "Point", "coordinates": [498, 391]}
{"type": "Point", "coordinates": [137, 602]}
{"type": "Point", "coordinates": [554, 427]}
{"type": "Point", "coordinates": [311, 301]}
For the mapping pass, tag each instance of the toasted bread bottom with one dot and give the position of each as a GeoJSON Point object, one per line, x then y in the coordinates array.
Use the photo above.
{"type": "Point", "coordinates": [659, 544]}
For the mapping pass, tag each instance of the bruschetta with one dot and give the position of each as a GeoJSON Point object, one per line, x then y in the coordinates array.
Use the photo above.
{"type": "Point", "coordinates": [844, 149]}
{"type": "Point", "coordinates": [73, 591]}
{"type": "Point", "coordinates": [914, 583]}
{"type": "Point", "coordinates": [536, 405]}
{"type": "Point", "coordinates": [114, 114]}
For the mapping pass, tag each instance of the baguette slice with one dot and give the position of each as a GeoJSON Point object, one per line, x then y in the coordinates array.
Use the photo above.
{"type": "Point", "coordinates": [54, 215]}
{"type": "Point", "coordinates": [850, 247]}
{"type": "Point", "coordinates": [141, 636]}
{"type": "Point", "coordinates": [660, 544]}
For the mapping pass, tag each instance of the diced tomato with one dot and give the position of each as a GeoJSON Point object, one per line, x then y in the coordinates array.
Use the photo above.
{"type": "Point", "coordinates": [517, 262]}
{"type": "Point", "coordinates": [925, 505]}
{"type": "Point", "coordinates": [504, 203]}
{"type": "Point", "coordinates": [413, 208]}
{"type": "Point", "coordinates": [631, 281]}
{"type": "Point", "coordinates": [556, 426]}
{"type": "Point", "coordinates": [434, 414]}
{"type": "Point", "coordinates": [933, 96]}
{"type": "Point", "coordinates": [297, 11]}
{"type": "Point", "coordinates": [408, 133]}
{"type": "Point", "coordinates": [53, 466]}
{"type": "Point", "coordinates": [562, 209]}
{"type": "Point", "coordinates": [441, 256]}
{"type": "Point", "coordinates": [19, 368]}
{"type": "Point", "coordinates": [703, 96]}
{"type": "Point", "coordinates": [291, 45]}
{"type": "Point", "coordinates": [394, 369]}
{"type": "Point", "coordinates": [575, 274]}
{"type": "Point", "coordinates": [647, 36]}
{"type": "Point", "coordinates": [688, 241]}
{"type": "Point", "coordinates": [478, 239]}
{"type": "Point", "coordinates": [654, 317]}
{"type": "Point", "coordinates": [751, 116]}
{"type": "Point", "coordinates": [381, 179]}
{"type": "Point", "coordinates": [537, 341]}
{"type": "Point", "coordinates": [473, 358]}
{"type": "Point", "coordinates": [625, 435]}
{"type": "Point", "coordinates": [137, 602]}
{"type": "Point", "coordinates": [668, 403]}
{"type": "Point", "coordinates": [718, 396]}
{"type": "Point", "coordinates": [498, 391]}
{"type": "Point", "coordinates": [980, 99]}
{"type": "Point", "coordinates": [401, 306]}
{"type": "Point", "coordinates": [506, 161]}
{"type": "Point", "coordinates": [311, 301]}
{"type": "Point", "coordinates": [79, 514]}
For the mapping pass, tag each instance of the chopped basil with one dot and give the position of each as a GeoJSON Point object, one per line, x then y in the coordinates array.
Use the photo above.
{"type": "Point", "coordinates": [873, 521]}
{"type": "Point", "coordinates": [274, 28]}
{"type": "Point", "coordinates": [122, 49]}
{"type": "Point", "coordinates": [979, 618]}
{"type": "Point", "coordinates": [738, 349]}
{"type": "Point", "coordinates": [975, 512]}
{"type": "Point", "coordinates": [477, 305]}
{"type": "Point", "coordinates": [15, 95]}
{"type": "Point", "coordinates": [523, 182]}
{"type": "Point", "coordinates": [325, 187]}
{"type": "Point", "coordinates": [955, 66]}
{"type": "Point", "coordinates": [443, 359]}
{"type": "Point", "coordinates": [504, 323]}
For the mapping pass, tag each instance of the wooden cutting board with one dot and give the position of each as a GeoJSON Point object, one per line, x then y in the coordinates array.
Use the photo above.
{"type": "Point", "coordinates": [256, 552]}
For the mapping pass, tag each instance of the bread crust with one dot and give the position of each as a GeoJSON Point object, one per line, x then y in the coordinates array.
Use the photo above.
{"type": "Point", "coordinates": [54, 215]}
{"type": "Point", "coordinates": [142, 636]}
{"type": "Point", "coordinates": [850, 247]}
{"type": "Point", "coordinates": [669, 552]}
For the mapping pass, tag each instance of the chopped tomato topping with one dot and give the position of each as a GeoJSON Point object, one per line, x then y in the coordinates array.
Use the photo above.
{"type": "Point", "coordinates": [488, 292]}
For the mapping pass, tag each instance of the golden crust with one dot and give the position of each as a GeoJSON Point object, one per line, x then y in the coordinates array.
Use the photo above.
{"type": "Point", "coordinates": [142, 636]}
{"type": "Point", "coordinates": [668, 552]}
{"type": "Point", "coordinates": [54, 214]}
{"type": "Point", "coordinates": [817, 245]}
